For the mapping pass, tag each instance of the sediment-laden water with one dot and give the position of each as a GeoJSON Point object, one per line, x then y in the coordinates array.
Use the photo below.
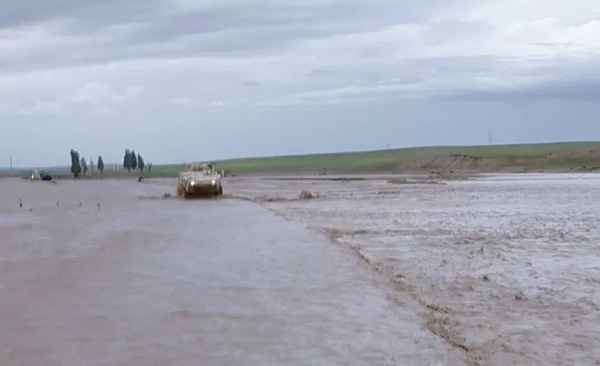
{"type": "Point", "coordinates": [506, 268]}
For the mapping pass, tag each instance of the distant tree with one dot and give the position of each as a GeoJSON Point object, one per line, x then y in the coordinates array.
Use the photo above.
{"type": "Point", "coordinates": [150, 168]}
{"type": "Point", "coordinates": [127, 160]}
{"type": "Point", "coordinates": [140, 163]}
{"type": "Point", "coordinates": [84, 166]}
{"type": "Point", "coordinates": [75, 165]}
{"type": "Point", "coordinates": [91, 162]}
{"type": "Point", "coordinates": [100, 165]}
{"type": "Point", "coordinates": [134, 164]}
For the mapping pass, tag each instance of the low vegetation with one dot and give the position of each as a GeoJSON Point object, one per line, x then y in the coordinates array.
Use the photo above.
{"type": "Point", "coordinates": [583, 156]}
{"type": "Point", "coordinates": [572, 156]}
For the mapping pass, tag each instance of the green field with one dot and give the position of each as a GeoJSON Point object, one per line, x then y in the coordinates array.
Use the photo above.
{"type": "Point", "coordinates": [527, 157]}
{"type": "Point", "coordinates": [567, 156]}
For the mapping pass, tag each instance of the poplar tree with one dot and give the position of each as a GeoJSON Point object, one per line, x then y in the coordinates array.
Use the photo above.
{"type": "Point", "coordinates": [84, 166]}
{"type": "Point", "coordinates": [75, 165]}
{"type": "Point", "coordinates": [100, 165]}
{"type": "Point", "coordinates": [127, 160]}
{"type": "Point", "coordinates": [140, 163]}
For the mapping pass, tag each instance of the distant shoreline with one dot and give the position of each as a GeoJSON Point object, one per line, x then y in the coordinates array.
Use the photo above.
{"type": "Point", "coordinates": [524, 158]}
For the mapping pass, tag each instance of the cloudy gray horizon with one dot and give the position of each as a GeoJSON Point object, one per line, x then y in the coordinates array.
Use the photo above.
{"type": "Point", "coordinates": [185, 80]}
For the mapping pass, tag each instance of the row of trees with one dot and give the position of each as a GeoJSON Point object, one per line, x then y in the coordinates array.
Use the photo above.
{"type": "Point", "coordinates": [79, 166]}
{"type": "Point", "coordinates": [133, 161]}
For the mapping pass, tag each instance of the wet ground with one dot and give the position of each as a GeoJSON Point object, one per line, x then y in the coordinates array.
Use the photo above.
{"type": "Point", "coordinates": [112, 273]}
{"type": "Point", "coordinates": [506, 269]}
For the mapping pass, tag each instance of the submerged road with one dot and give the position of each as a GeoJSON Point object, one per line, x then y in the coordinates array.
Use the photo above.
{"type": "Point", "coordinates": [106, 273]}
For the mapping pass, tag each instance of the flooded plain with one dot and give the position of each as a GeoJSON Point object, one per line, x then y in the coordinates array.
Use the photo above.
{"type": "Point", "coordinates": [114, 272]}
{"type": "Point", "coordinates": [371, 271]}
{"type": "Point", "coordinates": [506, 269]}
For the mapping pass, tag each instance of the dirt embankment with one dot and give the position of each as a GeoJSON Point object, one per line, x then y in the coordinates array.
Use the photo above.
{"type": "Point", "coordinates": [458, 162]}
{"type": "Point", "coordinates": [576, 160]}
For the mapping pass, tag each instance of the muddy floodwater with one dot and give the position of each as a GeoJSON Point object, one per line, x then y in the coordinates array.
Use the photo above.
{"type": "Point", "coordinates": [499, 270]}
{"type": "Point", "coordinates": [112, 273]}
{"type": "Point", "coordinates": [506, 268]}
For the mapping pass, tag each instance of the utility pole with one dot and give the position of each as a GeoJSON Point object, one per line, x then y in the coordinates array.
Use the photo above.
{"type": "Point", "coordinates": [11, 163]}
{"type": "Point", "coordinates": [490, 138]}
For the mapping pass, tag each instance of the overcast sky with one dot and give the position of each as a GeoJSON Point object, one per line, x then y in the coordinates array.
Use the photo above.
{"type": "Point", "coordinates": [183, 80]}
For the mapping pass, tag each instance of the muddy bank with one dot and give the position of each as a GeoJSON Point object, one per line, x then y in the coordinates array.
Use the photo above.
{"type": "Point", "coordinates": [504, 267]}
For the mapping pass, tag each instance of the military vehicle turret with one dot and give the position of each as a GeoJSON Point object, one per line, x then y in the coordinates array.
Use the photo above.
{"type": "Point", "coordinates": [200, 180]}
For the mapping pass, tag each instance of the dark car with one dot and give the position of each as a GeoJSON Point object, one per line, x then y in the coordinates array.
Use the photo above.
{"type": "Point", "coordinates": [45, 176]}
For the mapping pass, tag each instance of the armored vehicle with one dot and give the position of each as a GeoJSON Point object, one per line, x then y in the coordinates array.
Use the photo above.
{"type": "Point", "coordinates": [200, 180]}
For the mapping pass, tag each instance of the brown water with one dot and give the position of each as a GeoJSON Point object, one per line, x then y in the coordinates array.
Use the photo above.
{"type": "Point", "coordinates": [505, 268]}
{"type": "Point", "coordinates": [107, 273]}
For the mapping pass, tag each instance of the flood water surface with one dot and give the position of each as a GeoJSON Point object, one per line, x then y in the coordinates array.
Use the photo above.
{"type": "Point", "coordinates": [113, 273]}
{"type": "Point", "coordinates": [493, 271]}
{"type": "Point", "coordinates": [506, 268]}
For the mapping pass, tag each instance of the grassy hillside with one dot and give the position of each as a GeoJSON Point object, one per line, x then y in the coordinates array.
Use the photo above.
{"type": "Point", "coordinates": [568, 156]}
{"type": "Point", "coordinates": [530, 157]}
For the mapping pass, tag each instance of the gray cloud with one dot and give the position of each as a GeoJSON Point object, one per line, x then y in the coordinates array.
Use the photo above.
{"type": "Point", "coordinates": [577, 90]}
{"type": "Point", "coordinates": [123, 30]}
{"type": "Point", "coordinates": [250, 68]}
{"type": "Point", "coordinates": [87, 14]}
